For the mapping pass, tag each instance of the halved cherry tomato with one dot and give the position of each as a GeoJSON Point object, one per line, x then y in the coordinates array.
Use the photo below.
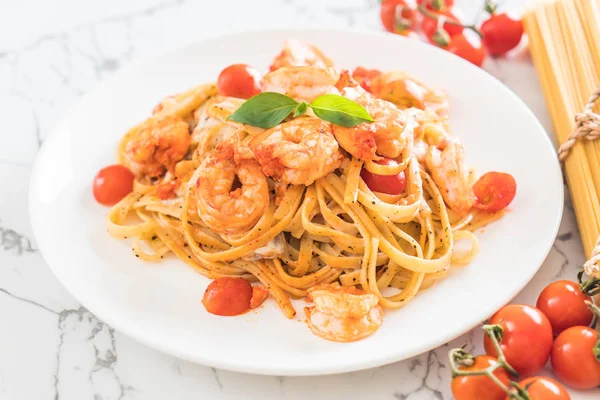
{"type": "Point", "coordinates": [167, 190]}
{"type": "Point", "coordinates": [564, 305]}
{"type": "Point", "coordinates": [389, 184]}
{"type": "Point", "coordinates": [239, 80]}
{"type": "Point", "coordinates": [112, 183]}
{"type": "Point", "coordinates": [466, 48]}
{"type": "Point", "coordinates": [573, 358]}
{"type": "Point", "coordinates": [365, 76]}
{"type": "Point", "coordinates": [429, 25]}
{"type": "Point", "coordinates": [259, 295]}
{"type": "Point", "coordinates": [480, 387]}
{"type": "Point", "coordinates": [494, 191]}
{"type": "Point", "coordinates": [228, 296]}
{"type": "Point", "coordinates": [501, 34]}
{"type": "Point", "coordinates": [393, 23]}
{"type": "Point", "coordinates": [543, 388]}
{"type": "Point", "coordinates": [527, 338]}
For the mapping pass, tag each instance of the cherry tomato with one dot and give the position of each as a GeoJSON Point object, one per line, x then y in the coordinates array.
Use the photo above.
{"type": "Point", "coordinates": [480, 387]}
{"type": "Point", "coordinates": [464, 48]}
{"type": "Point", "coordinates": [239, 80]}
{"type": "Point", "coordinates": [167, 190]}
{"type": "Point", "coordinates": [501, 34]}
{"type": "Point", "coordinates": [494, 191]}
{"type": "Point", "coordinates": [573, 358]}
{"type": "Point", "coordinates": [390, 184]}
{"type": "Point", "coordinates": [429, 25]}
{"type": "Point", "coordinates": [112, 183]}
{"type": "Point", "coordinates": [543, 388]}
{"type": "Point", "coordinates": [527, 338]}
{"type": "Point", "coordinates": [564, 305]}
{"type": "Point", "coordinates": [259, 295]}
{"type": "Point", "coordinates": [365, 76]}
{"type": "Point", "coordinates": [228, 296]}
{"type": "Point", "coordinates": [392, 24]}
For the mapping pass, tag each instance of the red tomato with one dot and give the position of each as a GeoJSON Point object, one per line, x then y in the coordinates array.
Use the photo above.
{"type": "Point", "coordinates": [390, 184]}
{"type": "Point", "coordinates": [228, 296]}
{"type": "Point", "coordinates": [239, 80]}
{"type": "Point", "coordinates": [112, 183]}
{"type": "Point", "coordinates": [527, 338]}
{"type": "Point", "coordinates": [494, 191]}
{"type": "Point", "coordinates": [501, 34]}
{"type": "Point", "coordinates": [259, 295]}
{"type": "Point", "coordinates": [388, 16]}
{"type": "Point", "coordinates": [365, 76]}
{"type": "Point", "coordinates": [464, 48]}
{"type": "Point", "coordinates": [573, 358]}
{"type": "Point", "coordinates": [564, 305]}
{"type": "Point", "coordinates": [542, 388]}
{"type": "Point", "coordinates": [480, 387]}
{"type": "Point", "coordinates": [429, 25]}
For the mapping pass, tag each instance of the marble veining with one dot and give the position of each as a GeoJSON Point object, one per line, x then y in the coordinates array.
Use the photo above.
{"type": "Point", "coordinates": [53, 348]}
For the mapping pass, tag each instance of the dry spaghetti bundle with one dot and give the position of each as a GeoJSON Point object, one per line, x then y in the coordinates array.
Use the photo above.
{"type": "Point", "coordinates": [564, 40]}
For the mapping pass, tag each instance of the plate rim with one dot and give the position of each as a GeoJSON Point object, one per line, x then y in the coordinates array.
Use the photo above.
{"type": "Point", "coordinates": [161, 346]}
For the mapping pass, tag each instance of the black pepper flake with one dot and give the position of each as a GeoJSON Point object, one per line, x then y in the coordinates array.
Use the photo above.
{"type": "Point", "coordinates": [137, 255]}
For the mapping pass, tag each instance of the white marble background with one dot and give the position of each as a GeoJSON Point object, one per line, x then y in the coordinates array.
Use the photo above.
{"type": "Point", "coordinates": [52, 52]}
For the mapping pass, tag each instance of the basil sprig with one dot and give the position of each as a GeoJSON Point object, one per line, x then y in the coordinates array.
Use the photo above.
{"type": "Point", "coordinates": [269, 109]}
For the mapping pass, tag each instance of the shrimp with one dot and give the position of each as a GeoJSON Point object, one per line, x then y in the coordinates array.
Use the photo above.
{"type": "Point", "coordinates": [448, 171]}
{"type": "Point", "coordinates": [405, 92]}
{"type": "Point", "coordinates": [301, 83]}
{"type": "Point", "coordinates": [296, 53]}
{"type": "Point", "coordinates": [213, 127]}
{"type": "Point", "coordinates": [297, 152]}
{"type": "Point", "coordinates": [342, 314]}
{"type": "Point", "coordinates": [158, 144]}
{"type": "Point", "coordinates": [226, 204]}
{"type": "Point", "coordinates": [387, 136]}
{"type": "Point", "coordinates": [430, 130]}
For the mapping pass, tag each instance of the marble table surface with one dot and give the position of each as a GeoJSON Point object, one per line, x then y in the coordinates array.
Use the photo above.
{"type": "Point", "coordinates": [51, 347]}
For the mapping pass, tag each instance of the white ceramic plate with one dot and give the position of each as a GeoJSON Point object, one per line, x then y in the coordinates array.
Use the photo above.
{"type": "Point", "coordinates": [159, 304]}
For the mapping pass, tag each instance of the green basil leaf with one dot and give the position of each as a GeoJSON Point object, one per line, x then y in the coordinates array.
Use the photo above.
{"type": "Point", "coordinates": [340, 110]}
{"type": "Point", "coordinates": [264, 110]}
{"type": "Point", "coordinates": [301, 109]}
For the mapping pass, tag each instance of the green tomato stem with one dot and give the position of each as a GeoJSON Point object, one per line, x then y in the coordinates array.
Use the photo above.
{"type": "Point", "coordinates": [519, 393]}
{"type": "Point", "coordinates": [460, 356]}
{"type": "Point", "coordinates": [400, 23]}
{"type": "Point", "coordinates": [490, 7]}
{"type": "Point", "coordinates": [591, 287]}
{"type": "Point", "coordinates": [423, 10]}
{"type": "Point", "coordinates": [596, 310]}
{"type": "Point", "coordinates": [495, 333]}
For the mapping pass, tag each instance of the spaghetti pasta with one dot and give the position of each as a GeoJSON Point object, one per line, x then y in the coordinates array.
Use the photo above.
{"type": "Point", "coordinates": [233, 204]}
{"type": "Point", "coordinates": [557, 29]}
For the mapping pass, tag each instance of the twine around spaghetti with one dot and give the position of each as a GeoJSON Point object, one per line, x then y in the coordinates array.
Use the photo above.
{"type": "Point", "coordinates": [587, 126]}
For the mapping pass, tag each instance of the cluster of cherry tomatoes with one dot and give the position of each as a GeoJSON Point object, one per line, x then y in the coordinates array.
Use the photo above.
{"type": "Point", "coordinates": [441, 24]}
{"type": "Point", "coordinates": [519, 341]}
